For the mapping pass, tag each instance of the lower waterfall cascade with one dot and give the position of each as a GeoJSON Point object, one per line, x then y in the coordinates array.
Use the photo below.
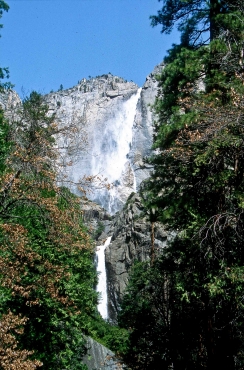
{"type": "Point", "coordinates": [102, 279]}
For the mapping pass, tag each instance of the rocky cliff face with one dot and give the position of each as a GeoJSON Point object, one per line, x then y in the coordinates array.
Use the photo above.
{"type": "Point", "coordinates": [10, 102]}
{"type": "Point", "coordinates": [110, 133]}
{"type": "Point", "coordinates": [131, 241]}
{"type": "Point", "coordinates": [143, 127]}
{"type": "Point", "coordinates": [105, 132]}
{"type": "Point", "coordinates": [100, 113]}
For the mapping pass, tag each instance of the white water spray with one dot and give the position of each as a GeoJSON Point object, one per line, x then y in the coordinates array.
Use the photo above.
{"type": "Point", "coordinates": [102, 279]}
{"type": "Point", "coordinates": [111, 150]}
{"type": "Point", "coordinates": [108, 148]}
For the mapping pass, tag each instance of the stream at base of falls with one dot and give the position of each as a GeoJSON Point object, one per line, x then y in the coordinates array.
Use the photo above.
{"type": "Point", "coordinates": [102, 279]}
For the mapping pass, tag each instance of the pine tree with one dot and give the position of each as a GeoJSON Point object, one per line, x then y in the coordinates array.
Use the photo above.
{"type": "Point", "coordinates": [197, 190]}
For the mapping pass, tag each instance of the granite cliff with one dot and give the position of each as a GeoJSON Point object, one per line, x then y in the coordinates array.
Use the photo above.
{"type": "Point", "coordinates": [142, 134]}
{"type": "Point", "coordinates": [100, 112]}
{"type": "Point", "coordinates": [110, 133]}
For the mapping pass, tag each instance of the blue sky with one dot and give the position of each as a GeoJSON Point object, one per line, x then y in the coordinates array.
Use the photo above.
{"type": "Point", "coordinates": [46, 43]}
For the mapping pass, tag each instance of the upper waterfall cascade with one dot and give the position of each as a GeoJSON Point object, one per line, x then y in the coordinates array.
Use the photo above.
{"type": "Point", "coordinates": [110, 155]}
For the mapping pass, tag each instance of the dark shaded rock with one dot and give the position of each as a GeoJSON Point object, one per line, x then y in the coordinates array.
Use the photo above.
{"type": "Point", "coordinates": [96, 218]}
{"type": "Point", "coordinates": [131, 241]}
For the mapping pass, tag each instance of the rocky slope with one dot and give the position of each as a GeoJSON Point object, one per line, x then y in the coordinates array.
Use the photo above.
{"type": "Point", "coordinates": [99, 357]}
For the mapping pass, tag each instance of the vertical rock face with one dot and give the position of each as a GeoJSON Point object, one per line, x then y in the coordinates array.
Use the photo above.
{"type": "Point", "coordinates": [131, 241]}
{"type": "Point", "coordinates": [108, 132]}
{"type": "Point", "coordinates": [131, 232]}
{"type": "Point", "coordinates": [10, 102]}
{"type": "Point", "coordinates": [143, 127]}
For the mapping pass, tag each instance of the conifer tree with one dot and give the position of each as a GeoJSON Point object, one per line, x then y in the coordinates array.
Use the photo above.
{"type": "Point", "coordinates": [192, 295]}
{"type": "Point", "coordinates": [197, 20]}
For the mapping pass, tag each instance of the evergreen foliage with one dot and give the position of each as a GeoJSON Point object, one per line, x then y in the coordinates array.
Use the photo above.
{"type": "Point", "coordinates": [197, 20]}
{"type": "Point", "coordinates": [108, 334]}
{"type": "Point", "coordinates": [4, 71]}
{"type": "Point", "coordinates": [185, 309]}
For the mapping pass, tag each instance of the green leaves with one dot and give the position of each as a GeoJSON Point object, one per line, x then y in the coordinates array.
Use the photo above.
{"type": "Point", "coordinates": [188, 304]}
{"type": "Point", "coordinates": [5, 143]}
{"type": "Point", "coordinates": [46, 256]}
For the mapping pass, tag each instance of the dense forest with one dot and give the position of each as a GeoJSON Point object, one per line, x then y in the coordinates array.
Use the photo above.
{"type": "Point", "coordinates": [183, 309]}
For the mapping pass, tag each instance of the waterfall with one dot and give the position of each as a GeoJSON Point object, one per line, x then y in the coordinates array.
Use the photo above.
{"type": "Point", "coordinates": [111, 148]}
{"type": "Point", "coordinates": [102, 279]}
{"type": "Point", "coordinates": [105, 154]}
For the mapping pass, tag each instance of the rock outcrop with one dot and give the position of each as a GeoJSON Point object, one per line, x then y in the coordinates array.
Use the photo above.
{"type": "Point", "coordinates": [10, 103]}
{"type": "Point", "coordinates": [99, 357]}
{"type": "Point", "coordinates": [131, 241]}
{"type": "Point", "coordinates": [94, 216]}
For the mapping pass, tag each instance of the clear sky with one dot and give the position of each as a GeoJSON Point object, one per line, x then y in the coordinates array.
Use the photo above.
{"type": "Point", "coordinates": [46, 43]}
